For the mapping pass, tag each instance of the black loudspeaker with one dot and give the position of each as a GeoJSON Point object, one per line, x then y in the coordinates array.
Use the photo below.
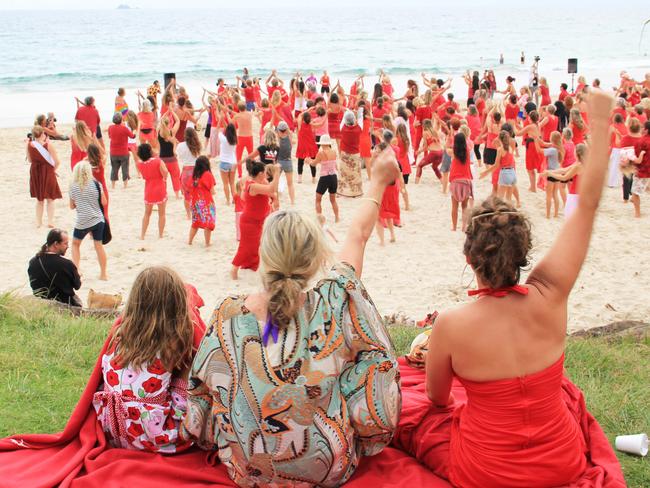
{"type": "Point", "coordinates": [573, 66]}
{"type": "Point", "coordinates": [168, 78]}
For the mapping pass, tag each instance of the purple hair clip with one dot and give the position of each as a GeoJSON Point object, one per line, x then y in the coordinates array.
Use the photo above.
{"type": "Point", "coordinates": [270, 329]}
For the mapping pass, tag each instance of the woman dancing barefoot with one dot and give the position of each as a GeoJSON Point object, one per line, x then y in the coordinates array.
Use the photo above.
{"type": "Point", "coordinates": [154, 172]}
{"type": "Point", "coordinates": [257, 193]}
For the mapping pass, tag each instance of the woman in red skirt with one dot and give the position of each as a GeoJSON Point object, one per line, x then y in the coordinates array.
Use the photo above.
{"type": "Point", "coordinates": [257, 194]}
{"type": "Point", "coordinates": [42, 175]}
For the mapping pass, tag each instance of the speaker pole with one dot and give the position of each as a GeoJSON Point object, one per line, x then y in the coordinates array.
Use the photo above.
{"type": "Point", "coordinates": [572, 77]}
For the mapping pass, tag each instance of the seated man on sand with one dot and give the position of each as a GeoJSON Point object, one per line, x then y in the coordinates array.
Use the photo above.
{"type": "Point", "coordinates": [51, 275]}
{"type": "Point", "coordinates": [523, 423]}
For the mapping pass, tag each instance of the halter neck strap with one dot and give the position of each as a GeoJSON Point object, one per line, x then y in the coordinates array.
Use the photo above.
{"type": "Point", "coordinates": [498, 292]}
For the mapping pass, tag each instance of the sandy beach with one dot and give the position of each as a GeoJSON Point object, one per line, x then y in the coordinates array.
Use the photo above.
{"type": "Point", "coordinates": [423, 271]}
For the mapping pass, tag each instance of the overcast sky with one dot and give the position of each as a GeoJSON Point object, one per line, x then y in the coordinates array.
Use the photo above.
{"type": "Point", "coordinates": [644, 8]}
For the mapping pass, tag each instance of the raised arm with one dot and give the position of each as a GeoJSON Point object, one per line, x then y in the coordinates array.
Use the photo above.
{"type": "Point", "coordinates": [384, 171]}
{"type": "Point", "coordinates": [556, 274]}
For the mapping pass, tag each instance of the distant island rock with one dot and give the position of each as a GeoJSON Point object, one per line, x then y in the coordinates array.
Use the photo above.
{"type": "Point", "coordinates": [123, 6]}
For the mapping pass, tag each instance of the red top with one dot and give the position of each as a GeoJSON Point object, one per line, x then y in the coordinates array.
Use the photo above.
{"type": "Point", "coordinates": [551, 126]}
{"type": "Point", "coordinates": [155, 187]}
{"type": "Point", "coordinates": [146, 120]}
{"type": "Point", "coordinates": [306, 147]}
{"type": "Point", "coordinates": [643, 169]}
{"type": "Point", "coordinates": [256, 207]}
{"type": "Point", "coordinates": [546, 96]}
{"type": "Point", "coordinates": [201, 188]}
{"type": "Point", "coordinates": [239, 203]}
{"type": "Point", "coordinates": [378, 113]}
{"type": "Point", "coordinates": [498, 292]}
{"type": "Point", "coordinates": [615, 140]}
{"type": "Point", "coordinates": [511, 111]}
{"type": "Point", "coordinates": [89, 115]}
{"type": "Point", "coordinates": [334, 124]}
{"type": "Point", "coordinates": [325, 80]}
{"type": "Point", "coordinates": [460, 170]}
{"type": "Point", "coordinates": [350, 139]}
{"type": "Point", "coordinates": [249, 94]}
{"type": "Point", "coordinates": [507, 160]}
{"type": "Point", "coordinates": [629, 141]}
{"type": "Point", "coordinates": [403, 157]}
{"type": "Point", "coordinates": [77, 154]}
{"type": "Point", "coordinates": [480, 106]}
{"type": "Point", "coordinates": [563, 94]}
{"type": "Point", "coordinates": [119, 135]}
{"type": "Point", "coordinates": [474, 124]}
{"type": "Point", "coordinates": [569, 154]}
{"type": "Point", "coordinates": [578, 134]}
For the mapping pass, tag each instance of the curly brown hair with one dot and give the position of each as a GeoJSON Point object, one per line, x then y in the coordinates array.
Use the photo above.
{"type": "Point", "coordinates": [498, 240]}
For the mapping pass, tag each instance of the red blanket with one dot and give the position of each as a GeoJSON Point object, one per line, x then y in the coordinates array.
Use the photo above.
{"type": "Point", "coordinates": [603, 469]}
{"type": "Point", "coordinates": [80, 457]}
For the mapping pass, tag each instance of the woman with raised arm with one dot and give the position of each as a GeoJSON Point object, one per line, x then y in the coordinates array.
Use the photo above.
{"type": "Point", "coordinates": [523, 423]}
{"type": "Point", "coordinates": [296, 383]}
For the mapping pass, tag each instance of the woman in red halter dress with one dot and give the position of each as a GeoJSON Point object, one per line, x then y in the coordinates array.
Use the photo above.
{"type": "Point", "coordinates": [495, 409]}
{"type": "Point", "coordinates": [256, 194]}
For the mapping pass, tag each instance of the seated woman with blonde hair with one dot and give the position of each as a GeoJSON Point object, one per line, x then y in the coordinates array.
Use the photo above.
{"type": "Point", "coordinates": [294, 384]}
{"type": "Point", "coordinates": [513, 419]}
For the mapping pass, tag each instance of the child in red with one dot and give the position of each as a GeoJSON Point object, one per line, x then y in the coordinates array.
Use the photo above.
{"type": "Point", "coordinates": [239, 207]}
{"type": "Point", "coordinates": [201, 200]}
{"type": "Point", "coordinates": [306, 145]}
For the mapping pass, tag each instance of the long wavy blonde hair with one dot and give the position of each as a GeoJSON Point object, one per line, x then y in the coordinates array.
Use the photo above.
{"type": "Point", "coordinates": [292, 250]}
{"type": "Point", "coordinates": [82, 174]}
{"type": "Point", "coordinates": [156, 322]}
{"type": "Point", "coordinates": [82, 135]}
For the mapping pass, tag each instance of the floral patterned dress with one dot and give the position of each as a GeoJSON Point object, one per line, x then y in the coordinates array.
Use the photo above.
{"type": "Point", "coordinates": [141, 409]}
{"type": "Point", "coordinates": [202, 203]}
{"type": "Point", "coordinates": [304, 408]}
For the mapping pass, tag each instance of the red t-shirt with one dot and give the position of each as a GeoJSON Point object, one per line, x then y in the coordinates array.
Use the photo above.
{"type": "Point", "coordinates": [459, 170]}
{"type": "Point", "coordinates": [119, 135]}
{"type": "Point", "coordinates": [146, 120]}
{"type": "Point", "coordinates": [439, 100]}
{"type": "Point", "coordinates": [378, 113]}
{"type": "Point", "coordinates": [350, 135]}
{"type": "Point", "coordinates": [89, 115]}
{"type": "Point", "coordinates": [474, 124]}
{"type": "Point", "coordinates": [551, 126]}
{"type": "Point", "coordinates": [511, 111]}
{"type": "Point", "coordinates": [480, 106]}
{"type": "Point", "coordinates": [563, 94]}
{"type": "Point", "coordinates": [643, 169]}
{"type": "Point", "coordinates": [249, 94]}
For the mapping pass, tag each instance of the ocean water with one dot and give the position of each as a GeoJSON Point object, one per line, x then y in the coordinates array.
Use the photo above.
{"type": "Point", "coordinates": [50, 56]}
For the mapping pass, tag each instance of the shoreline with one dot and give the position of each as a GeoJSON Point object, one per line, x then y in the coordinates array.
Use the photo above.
{"type": "Point", "coordinates": [21, 107]}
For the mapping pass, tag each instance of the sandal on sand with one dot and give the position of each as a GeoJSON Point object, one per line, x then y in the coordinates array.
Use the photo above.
{"type": "Point", "coordinates": [429, 320]}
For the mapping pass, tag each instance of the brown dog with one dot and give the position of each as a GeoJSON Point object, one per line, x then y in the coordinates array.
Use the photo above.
{"type": "Point", "coordinates": [103, 301]}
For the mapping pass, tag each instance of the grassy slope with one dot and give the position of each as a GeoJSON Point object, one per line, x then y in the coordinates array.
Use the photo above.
{"type": "Point", "coordinates": [45, 360]}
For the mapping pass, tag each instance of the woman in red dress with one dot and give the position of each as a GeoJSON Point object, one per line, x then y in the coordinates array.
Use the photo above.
{"type": "Point", "coordinates": [257, 193]}
{"type": "Point", "coordinates": [389, 211]}
{"type": "Point", "coordinates": [334, 116]}
{"type": "Point", "coordinates": [42, 175]}
{"type": "Point", "coordinates": [79, 140]}
{"type": "Point", "coordinates": [523, 423]}
{"type": "Point", "coordinates": [154, 172]}
{"type": "Point", "coordinates": [201, 200]}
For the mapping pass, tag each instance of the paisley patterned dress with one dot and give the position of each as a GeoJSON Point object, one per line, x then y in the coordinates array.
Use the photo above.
{"type": "Point", "coordinates": [304, 409]}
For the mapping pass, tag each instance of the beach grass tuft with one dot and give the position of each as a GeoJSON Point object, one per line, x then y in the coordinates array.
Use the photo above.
{"type": "Point", "coordinates": [46, 357]}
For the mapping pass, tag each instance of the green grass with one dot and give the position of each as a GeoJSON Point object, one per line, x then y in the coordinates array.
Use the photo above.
{"type": "Point", "coordinates": [46, 358]}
